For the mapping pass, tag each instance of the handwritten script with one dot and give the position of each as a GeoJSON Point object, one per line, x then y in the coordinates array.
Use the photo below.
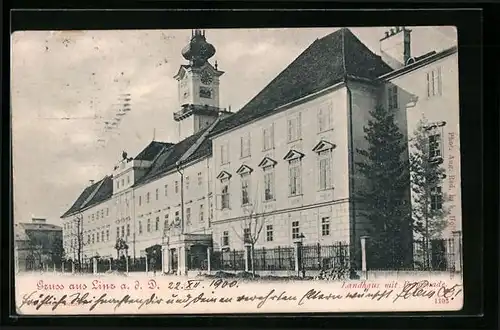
{"type": "Point", "coordinates": [221, 295]}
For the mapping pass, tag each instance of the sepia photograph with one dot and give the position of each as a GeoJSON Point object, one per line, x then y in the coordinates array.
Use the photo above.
{"type": "Point", "coordinates": [208, 171]}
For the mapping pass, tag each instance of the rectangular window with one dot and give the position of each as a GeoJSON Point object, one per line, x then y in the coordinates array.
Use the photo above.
{"type": "Point", "coordinates": [177, 219]}
{"type": "Point", "coordinates": [176, 187]}
{"type": "Point", "coordinates": [268, 137]}
{"type": "Point", "coordinates": [123, 231]}
{"type": "Point", "coordinates": [93, 217]}
{"type": "Point", "coordinates": [147, 198]}
{"type": "Point", "coordinates": [247, 235]}
{"type": "Point", "coordinates": [225, 195]}
{"type": "Point", "coordinates": [324, 118]}
{"type": "Point", "coordinates": [434, 82]}
{"type": "Point", "coordinates": [128, 230]}
{"type": "Point", "coordinates": [187, 183]}
{"type": "Point", "coordinates": [97, 238]}
{"type": "Point", "coordinates": [434, 146]}
{"type": "Point", "coordinates": [200, 178]}
{"type": "Point", "coordinates": [157, 193]}
{"type": "Point", "coordinates": [188, 215]}
{"type": "Point", "coordinates": [225, 238]}
{"type": "Point", "coordinates": [102, 235]}
{"type": "Point", "coordinates": [97, 215]}
{"type": "Point", "coordinates": [245, 189]}
{"type": "Point", "coordinates": [294, 177]}
{"type": "Point", "coordinates": [392, 97]}
{"type": "Point", "coordinates": [166, 190]}
{"type": "Point", "coordinates": [117, 184]}
{"type": "Point", "coordinates": [140, 200]}
{"type": "Point", "coordinates": [436, 199]}
{"type": "Point", "coordinates": [123, 182]}
{"type": "Point", "coordinates": [224, 153]}
{"type": "Point", "coordinates": [93, 238]}
{"type": "Point", "coordinates": [117, 232]}
{"type": "Point", "coordinates": [157, 224]}
{"type": "Point", "coordinates": [268, 183]}
{"type": "Point", "coordinates": [148, 228]}
{"type": "Point", "coordinates": [269, 233]}
{"type": "Point", "coordinates": [107, 211]}
{"type": "Point", "coordinates": [165, 222]}
{"type": "Point", "coordinates": [294, 128]}
{"type": "Point", "coordinates": [325, 226]}
{"type": "Point", "coordinates": [140, 227]}
{"type": "Point", "coordinates": [245, 145]}
{"type": "Point", "coordinates": [324, 160]}
{"type": "Point", "coordinates": [128, 179]}
{"type": "Point", "coordinates": [88, 239]}
{"type": "Point", "coordinates": [295, 230]}
{"type": "Point", "coordinates": [107, 234]}
{"type": "Point", "coordinates": [201, 213]}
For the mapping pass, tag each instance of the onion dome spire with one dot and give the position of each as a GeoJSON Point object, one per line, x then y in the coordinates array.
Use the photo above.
{"type": "Point", "coordinates": [198, 51]}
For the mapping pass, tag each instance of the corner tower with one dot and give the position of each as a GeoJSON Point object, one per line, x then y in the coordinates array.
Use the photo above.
{"type": "Point", "coordinates": [198, 87]}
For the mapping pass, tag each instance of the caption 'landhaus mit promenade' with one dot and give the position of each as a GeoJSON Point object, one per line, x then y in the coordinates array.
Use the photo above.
{"type": "Point", "coordinates": [288, 156]}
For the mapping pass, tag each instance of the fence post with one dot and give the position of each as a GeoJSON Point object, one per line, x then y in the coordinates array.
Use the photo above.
{"type": "Point", "coordinates": [363, 257]}
{"type": "Point", "coordinates": [457, 253]}
{"type": "Point", "coordinates": [319, 256]}
{"type": "Point", "coordinates": [246, 258]}
{"type": "Point", "coordinates": [209, 254]}
{"type": "Point", "coordinates": [296, 246]}
{"type": "Point", "coordinates": [234, 260]}
{"type": "Point", "coordinates": [264, 258]}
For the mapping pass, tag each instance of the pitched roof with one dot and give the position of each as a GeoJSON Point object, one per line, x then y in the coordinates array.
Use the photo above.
{"type": "Point", "coordinates": [102, 191]}
{"type": "Point", "coordinates": [324, 63]}
{"type": "Point", "coordinates": [40, 226]}
{"type": "Point", "coordinates": [168, 158]}
{"type": "Point", "coordinates": [149, 153]}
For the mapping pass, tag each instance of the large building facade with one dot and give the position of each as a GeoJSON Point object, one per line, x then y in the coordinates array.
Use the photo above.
{"type": "Point", "coordinates": [281, 169]}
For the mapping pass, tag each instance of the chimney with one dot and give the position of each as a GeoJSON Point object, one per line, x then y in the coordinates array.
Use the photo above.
{"type": "Point", "coordinates": [395, 47]}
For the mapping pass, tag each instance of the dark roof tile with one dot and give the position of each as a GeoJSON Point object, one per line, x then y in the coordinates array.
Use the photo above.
{"type": "Point", "coordinates": [149, 153]}
{"type": "Point", "coordinates": [324, 63]}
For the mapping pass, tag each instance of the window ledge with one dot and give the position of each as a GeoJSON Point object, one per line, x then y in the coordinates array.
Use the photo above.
{"type": "Point", "coordinates": [325, 130]}
{"type": "Point", "coordinates": [326, 189]}
{"type": "Point", "coordinates": [270, 200]}
{"type": "Point", "coordinates": [247, 156]}
{"type": "Point", "coordinates": [294, 196]}
{"type": "Point", "coordinates": [295, 140]}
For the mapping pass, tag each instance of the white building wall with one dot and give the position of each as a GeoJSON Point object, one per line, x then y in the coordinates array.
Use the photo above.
{"type": "Point", "coordinates": [445, 107]}
{"type": "Point", "coordinates": [308, 207]}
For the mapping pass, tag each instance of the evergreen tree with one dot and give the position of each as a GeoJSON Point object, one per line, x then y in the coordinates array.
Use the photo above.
{"type": "Point", "coordinates": [385, 194]}
{"type": "Point", "coordinates": [57, 251]}
{"type": "Point", "coordinates": [427, 174]}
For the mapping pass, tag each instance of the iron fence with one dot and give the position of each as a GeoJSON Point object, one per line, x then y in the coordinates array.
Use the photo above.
{"type": "Point", "coordinates": [435, 254]}
{"type": "Point", "coordinates": [279, 258]}
{"type": "Point", "coordinates": [317, 257]}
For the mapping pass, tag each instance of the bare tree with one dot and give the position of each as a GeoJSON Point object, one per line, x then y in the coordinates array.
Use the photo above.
{"type": "Point", "coordinates": [76, 242]}
{"type": "Point", "coordinates": [251, 226]}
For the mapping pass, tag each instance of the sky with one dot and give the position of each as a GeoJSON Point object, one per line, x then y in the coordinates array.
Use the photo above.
{"type": "Point", "coordinates": [67, 84]}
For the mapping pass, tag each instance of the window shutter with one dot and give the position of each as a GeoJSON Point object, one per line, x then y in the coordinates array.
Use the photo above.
{"type": "Point", "coordinates": [264, 139]}
{"type": "Point", "coordinates": [428, 85]}
{"type": "Point", "coordinates": [299, 178]}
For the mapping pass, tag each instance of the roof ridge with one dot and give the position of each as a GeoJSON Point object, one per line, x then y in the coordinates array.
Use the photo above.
{"type": "Point", "coordinates": [199, 141]}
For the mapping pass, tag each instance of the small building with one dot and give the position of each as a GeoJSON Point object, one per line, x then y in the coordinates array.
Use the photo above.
{"type": "Point", "coordinates": [37, 244]}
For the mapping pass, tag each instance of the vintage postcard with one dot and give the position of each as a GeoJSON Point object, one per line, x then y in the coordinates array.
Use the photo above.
{"type": "Point", "coordinates": [236, 171]}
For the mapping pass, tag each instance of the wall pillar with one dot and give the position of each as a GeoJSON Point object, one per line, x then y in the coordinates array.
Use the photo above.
{"type": "Point", "coordinates": [209, 261]}
{"type": "Point", "coordinates": [94, 265]}
{"type": "Point", "coordinates": [457, 253]}
{"type": "Point", "coordinates": [182, 261]}
{"type": "Point", "coordinates": [364, 270]}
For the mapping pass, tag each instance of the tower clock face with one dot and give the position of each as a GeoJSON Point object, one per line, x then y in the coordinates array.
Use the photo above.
{"type": "Point", "coordinates": [206, 78]}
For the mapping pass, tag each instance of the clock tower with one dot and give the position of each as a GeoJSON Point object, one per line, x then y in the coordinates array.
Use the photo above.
{"type": "Point", "coordinates": [198, 86]}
